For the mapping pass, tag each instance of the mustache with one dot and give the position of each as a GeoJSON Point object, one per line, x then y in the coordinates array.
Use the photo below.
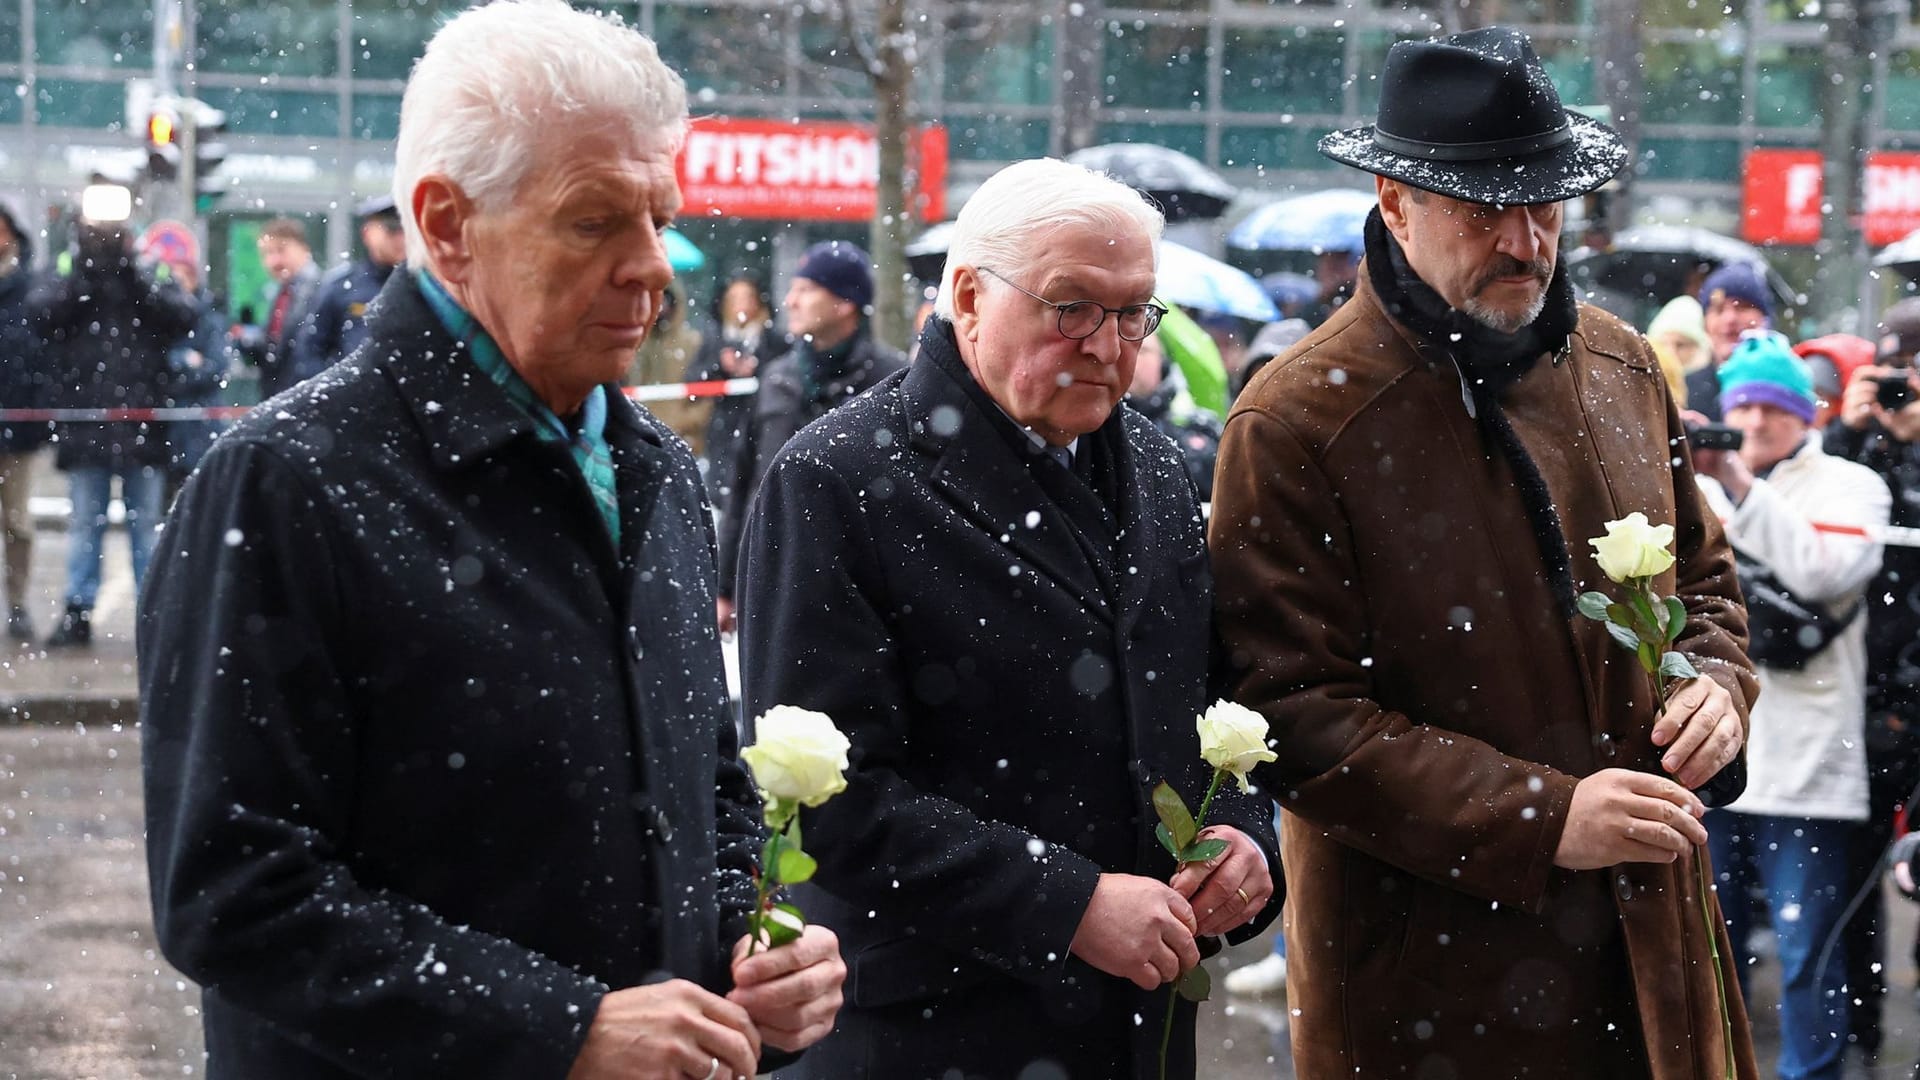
{"type": "Point", "coordinates": [1540, 270]}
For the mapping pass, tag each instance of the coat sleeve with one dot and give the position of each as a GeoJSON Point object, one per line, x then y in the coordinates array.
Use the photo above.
{"type": "Point", "coordinates": [1705, 580]}
{"type": "Point", "coordinates": [250, 760]}
{"type": "Point", "coordinates": [816, 633]}
{"type": "Point", "coordinates": [1441, 805]}
{"type": "Point", "coordinates": [1820, 565]}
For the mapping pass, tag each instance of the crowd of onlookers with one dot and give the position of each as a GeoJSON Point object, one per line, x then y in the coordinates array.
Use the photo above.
{"type": "Point", "coordinates": [128, 323]}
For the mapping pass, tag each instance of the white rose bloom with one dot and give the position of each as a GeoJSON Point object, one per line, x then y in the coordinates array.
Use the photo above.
{"type": "Point", "coordinates": [798, 755]}
{"type": "Point", "coordinates": [1234, 737]}
{"type": "Point", "coordinates": [1633, 548]}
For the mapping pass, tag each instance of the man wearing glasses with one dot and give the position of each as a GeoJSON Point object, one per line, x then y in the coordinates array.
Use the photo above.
{"type": "Point", "coordinates": [994, 579]}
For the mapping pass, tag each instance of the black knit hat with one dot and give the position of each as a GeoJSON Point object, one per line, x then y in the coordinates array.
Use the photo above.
{"type": "Point", "coordinates": [840, 268]}
{"type": "Point", "coordinates": [1474, 116]}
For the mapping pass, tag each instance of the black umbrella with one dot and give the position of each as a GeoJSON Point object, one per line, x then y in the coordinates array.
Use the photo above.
{"type": "Point", "coordinates": [927, 253]}
{"type": "Point", "coordinates": [1903, 255]}
{"type": "Point", "coordinates": [1185, 189]}
{"type": "Point", "coordinates": [1652, 264]}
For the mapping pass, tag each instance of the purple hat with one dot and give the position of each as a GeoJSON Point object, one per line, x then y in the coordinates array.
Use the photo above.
{"type": "Point", "coordinates": [1738, 281]}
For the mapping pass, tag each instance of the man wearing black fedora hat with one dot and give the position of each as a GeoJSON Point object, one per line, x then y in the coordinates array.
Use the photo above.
{"type": "Point", "coordinates": [1492, 821]}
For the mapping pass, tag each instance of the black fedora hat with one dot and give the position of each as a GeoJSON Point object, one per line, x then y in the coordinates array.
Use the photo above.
{"type": "Point", "coordinates": [1475, 116]}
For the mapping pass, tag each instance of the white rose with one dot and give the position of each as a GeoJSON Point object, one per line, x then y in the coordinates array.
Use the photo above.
{"type": "Point", "coordinates": [1633, 548]}
{"type": "Point", "coordinates": [1234, 737]}
{"type": "Point", "coordinates": [798, 755]}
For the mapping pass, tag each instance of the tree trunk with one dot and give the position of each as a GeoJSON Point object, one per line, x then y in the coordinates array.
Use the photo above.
{"type": "Point", "coordinates": [1621, 83]}
{"type": "Point", "coordinates": [893, 220]}
{"type": "Point", "coordinates": [1842, 251]}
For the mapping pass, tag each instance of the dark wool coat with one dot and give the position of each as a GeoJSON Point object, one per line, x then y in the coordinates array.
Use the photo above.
{"type": "Point", "coordinates": [1383, 593]}
{"type": "Point", "coordinates": [430, 764]}
{"type": "Point", "coordinates": [781, 407]}
{"type": "Point", "coordinates": [911, 571]}
{"type": "Point", "coordinates": [108, 330]}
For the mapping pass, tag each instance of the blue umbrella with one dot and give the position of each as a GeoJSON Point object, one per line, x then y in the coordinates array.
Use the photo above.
{"type": "Point", "coordinates": [1203, 283]}
{"type": "Point", "coordinates": [1323, 221]}
{"type": "Point", "coordinates": [681, 254]}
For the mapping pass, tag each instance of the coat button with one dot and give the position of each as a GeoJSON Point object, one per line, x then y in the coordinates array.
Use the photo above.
{"type": "Point", "coordinates": [1607, 748]}
{"type": "Point", "coordinates": [664, 827]}
{"type": "Point", "coordinates": [1624, 886]}
{"type": "Point", "coordinates": [634, 643]}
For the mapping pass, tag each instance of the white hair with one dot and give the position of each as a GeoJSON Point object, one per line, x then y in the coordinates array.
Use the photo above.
{"type": "Point", "coordinates": [1008, 220]}
{"type": "Point", "coordinates": [496, 80]}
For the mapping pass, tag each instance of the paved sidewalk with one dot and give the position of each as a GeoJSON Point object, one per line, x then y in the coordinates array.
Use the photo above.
{"type": "Point", "coordinates": [96, 685]}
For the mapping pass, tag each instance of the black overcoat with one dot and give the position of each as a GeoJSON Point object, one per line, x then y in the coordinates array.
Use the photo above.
{"type": "Point", "coordinates": [912, 570]}
{"type": "Point", "coordinates": [430, 765]}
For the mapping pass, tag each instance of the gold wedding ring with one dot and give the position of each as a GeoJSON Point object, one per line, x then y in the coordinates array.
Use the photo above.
{"type": "Point", "coordinates": [1242, 894]}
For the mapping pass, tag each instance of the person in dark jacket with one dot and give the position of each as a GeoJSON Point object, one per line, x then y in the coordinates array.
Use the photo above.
{"type": "Point", "coordinates": [197, 364]}
{"type": "Point", "coordinates": [440, 774]}
{"type": "Point", "coordinates": [109, 325]}
{"type": "Point", "coordinates": [834, 357]}
{"type": "Point", "coordinates": [23, 385]}
{"type": "Point", "coordinates": [744, 341]}
{"type": "Point", "coordinates": [336, 323]}
{"type": "Point", "coordinates": [1017, 647]}
{"type": "Point", "coordinates": [288, 258]}
{"type": "Point", "coordinates": [1886, 440]}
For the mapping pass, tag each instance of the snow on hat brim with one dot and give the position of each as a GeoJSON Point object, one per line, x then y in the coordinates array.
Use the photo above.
{"type": "Point", "coordinates": [1584, 163]}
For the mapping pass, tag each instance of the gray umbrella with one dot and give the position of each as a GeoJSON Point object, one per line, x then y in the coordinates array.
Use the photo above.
{"type": "Point", "coordinates": [1653, 263]}
{"type": "Point", "coordinates": [1185, 189]}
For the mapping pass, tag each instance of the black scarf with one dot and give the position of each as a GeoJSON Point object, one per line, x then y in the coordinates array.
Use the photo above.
{"type": "Point", "coordinates": [822, 370]}
{"type": "Point", "coordinates": [1487, 362]}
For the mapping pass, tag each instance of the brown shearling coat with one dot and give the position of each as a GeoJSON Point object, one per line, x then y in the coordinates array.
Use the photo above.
{"type": "Point", "coordinates": [1381, 591]}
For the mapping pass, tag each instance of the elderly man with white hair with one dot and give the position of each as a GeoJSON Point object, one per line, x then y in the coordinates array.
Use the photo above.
{"type": "Point", "coordinates": [991, 573]}
{"type": "Point", "coordinates": [441, 777]}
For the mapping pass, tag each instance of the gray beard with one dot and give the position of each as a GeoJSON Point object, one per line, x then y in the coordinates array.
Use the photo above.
{"type": "Point", "coordinates": [1501, 322]}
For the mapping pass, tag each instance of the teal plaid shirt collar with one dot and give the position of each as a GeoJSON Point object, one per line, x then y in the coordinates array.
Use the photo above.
{"type": "Point", "coordinates": [588, 445]}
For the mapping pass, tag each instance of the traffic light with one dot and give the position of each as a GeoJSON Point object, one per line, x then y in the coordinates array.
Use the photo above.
{"type": "Point", "coordinates": [163, 147]}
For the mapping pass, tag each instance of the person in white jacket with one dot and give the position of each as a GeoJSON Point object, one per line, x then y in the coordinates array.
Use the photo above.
{"type": "Point", "coordinates": [1804, 525]}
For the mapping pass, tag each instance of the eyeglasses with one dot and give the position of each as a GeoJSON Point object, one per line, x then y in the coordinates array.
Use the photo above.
{"type": "Point", "coordinates": [1081, 319]}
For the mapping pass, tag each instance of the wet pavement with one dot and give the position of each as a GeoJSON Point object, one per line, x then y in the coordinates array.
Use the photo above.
{"type": "Point", "coordinates": [85, 994]}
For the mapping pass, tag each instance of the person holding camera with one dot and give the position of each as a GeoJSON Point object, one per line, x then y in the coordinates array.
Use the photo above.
{"type": "Point", "coordinates": [109, 325]}
{"type": "Point", "coordinates": [1877, 424]}
{"type": "Point", "coordinates": [1781, 497]}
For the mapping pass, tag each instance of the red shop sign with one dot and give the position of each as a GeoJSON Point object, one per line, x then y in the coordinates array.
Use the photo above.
{"type": "Point", "coordinates": [800, 172]}
{"type": "Point", "coordinates": [1782, 195]}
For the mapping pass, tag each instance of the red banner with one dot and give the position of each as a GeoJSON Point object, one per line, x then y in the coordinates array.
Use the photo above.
{"type": "Point", "coordinates": [1783, 191]}
{"type": "Point", "coordinates": [801, 172]}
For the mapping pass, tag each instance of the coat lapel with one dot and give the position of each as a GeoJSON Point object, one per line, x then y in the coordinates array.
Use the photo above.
{"type": "Point", "coordinates": [977, 470]}
{"type": "Point", "coordinates": [1137, 543]}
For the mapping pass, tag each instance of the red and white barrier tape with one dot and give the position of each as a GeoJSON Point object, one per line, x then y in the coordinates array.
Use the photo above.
{"type": "Point", "coordinates": [711, 388]}
{"type": "Point", "coordinates": [1890, 535]}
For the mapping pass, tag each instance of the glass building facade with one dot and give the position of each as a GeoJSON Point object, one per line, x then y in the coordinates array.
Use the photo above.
{"type": "Point", "coordinates": [311, 88]}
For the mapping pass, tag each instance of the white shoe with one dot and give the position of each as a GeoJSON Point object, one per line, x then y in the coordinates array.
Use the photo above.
{"type": "Point", "coordinates": [1259, 979]}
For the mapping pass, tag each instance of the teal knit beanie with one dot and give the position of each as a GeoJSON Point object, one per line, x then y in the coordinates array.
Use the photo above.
{"type": "Point", "coordinates": [1763, 371]}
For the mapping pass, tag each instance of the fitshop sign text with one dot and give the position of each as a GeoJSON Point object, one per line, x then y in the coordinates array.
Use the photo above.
{"type": "Point", "coordinates": [801, 172]}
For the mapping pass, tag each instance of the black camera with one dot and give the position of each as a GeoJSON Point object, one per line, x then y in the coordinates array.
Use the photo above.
{"type": "Point", "coordinates": [1714, 437]}
{"type": "Point", "coordinates": [1895, 393]}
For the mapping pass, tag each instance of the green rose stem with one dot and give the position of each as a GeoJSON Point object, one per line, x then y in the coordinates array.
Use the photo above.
{"type": "Point", "coordinates": [781, 863]}
{"type": "Point", "coordinates": [1173, 994]}
{"type": "Point", "coordinates": [1704, 880]}
{"type": "Point", "coordinates": [1648, 625]}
